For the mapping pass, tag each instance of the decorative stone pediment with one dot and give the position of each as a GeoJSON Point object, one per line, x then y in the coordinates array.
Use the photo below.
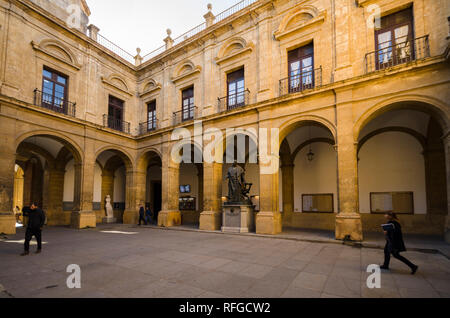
{"type": "Point", "coordinates": [150, 87]}
{"type": "Point", "coordinates": [299, 19]}
{"type": "Point", "coordinates": [184, 70]}
{"type": "Point", "coordinates": [58, 51]}
{"type": "Point", "coordinates": [233, 48]}
{"type": "Point", "coordinates": [117, 82]}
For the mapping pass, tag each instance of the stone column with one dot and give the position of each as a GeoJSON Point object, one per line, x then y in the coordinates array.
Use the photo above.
{"type": "Point", "coordinates": [446, 141]}
{"type": "Point", "coordinates": [211, 217]}
{"type": "Point", "coordinates": [83, 215]}
{"type": "Point", "coordinates": [268, 220]}
{"type": "Point", "coordinates": [170, 214]}
{"type": "Point", "coordinates": [348, 220]}
{"type": "Point", "coordinates": [93, 32]}
{"type": "Point", "coordinates": [54, 197]}
{"type": "Point", "coordinates": [7, 163]}
{"type": "Point", "coordinates": [135, 195]}
{"type": "Point", "coordinates": [287, 171]}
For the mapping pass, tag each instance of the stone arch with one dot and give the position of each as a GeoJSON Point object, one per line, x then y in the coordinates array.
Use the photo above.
{"type": "Point", "coordinates": [151, 85]}
{"type": "Point", "coordinates": [58, 50]}
{"type": "Point", "coordinates": [122, 153]}
{"type": "Point", "coordinates": [298, 16]}
{"type": "Point", "coordinates": [289, 126]}
{"type": "Point", "coordinates": [436, 108]}
{"type": "Point", "coordinates": [145, 156]}
{"type": "Point", "coordinates": [418, 136]}
{"type": "Point", "coordinates": [74, 148]}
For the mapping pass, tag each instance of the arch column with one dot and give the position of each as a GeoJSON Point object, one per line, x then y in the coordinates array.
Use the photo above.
{"type": "Point", "coordinates": [287, 172]}
{"type": "Point", "coordinates": [211, 217]}
{"type": "Point", "coordinates": [53, 205]}
{"type": "Point", "coordinates": [446, 141]}
{"type": "Point", "coordinates": [135, 195]}
{"type": "Point", "coordinates": [170, 214]}
{"type": "Point", "coordinates": [348, 220]}
{"type": "Point", "coordinates": [268, 220]}
{"type": "Point", "coordinates": [7, 163]}
{"type": "Point", "coordinates": [83, 215]}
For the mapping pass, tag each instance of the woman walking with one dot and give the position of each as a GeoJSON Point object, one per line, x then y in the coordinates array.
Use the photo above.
{"type": "Point", "coordinates": [395, 244]}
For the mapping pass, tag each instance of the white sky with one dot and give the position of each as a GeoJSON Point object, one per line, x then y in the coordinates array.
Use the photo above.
{"type": "Point", "coordinates": [143, 23]}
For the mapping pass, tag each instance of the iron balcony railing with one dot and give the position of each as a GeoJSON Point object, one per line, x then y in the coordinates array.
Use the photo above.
{"type": "Point", "coordinates": [185, 115]}
{"type": "Point", "coordinates": [148, 126]}
{"type": "Point", "coordinates": [304, 81]}
{"type": "Point", "coordinates": [54, 103]}
{"type": "Point", "coordinates": [391, 55]}
{"type": "Point", "coordinates": [115, 48]}
{"type": "Point", "coordinates": [116, 124]}
{"type": "Point", "coordinates": [234, 101]}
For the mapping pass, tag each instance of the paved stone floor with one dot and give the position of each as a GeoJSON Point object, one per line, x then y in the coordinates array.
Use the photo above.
{"type": "Point", "coordinates": [156, 263]}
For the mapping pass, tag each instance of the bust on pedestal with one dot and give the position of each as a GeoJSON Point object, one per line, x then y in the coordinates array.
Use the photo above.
{"type": "Point", "coordinates": [109, 211]}
{"type": "Point", "coordinates": [238, 212]}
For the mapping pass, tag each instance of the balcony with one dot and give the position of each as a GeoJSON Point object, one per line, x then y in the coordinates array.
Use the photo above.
{"type": "Point", "coordinates": [234, 101]}
{"type": "Point", "coordinates": [185, 115]}
{"type": "Point", "coordinates": [397, 54]}
{"type": "Point", "coordinates": [148, 126]}
{"type": "Point", "coordinates": [53, 103]}
{"type": "Point", "coordinates": [299, 83]}
{"type": "Point", "coordinates": [116, 124]}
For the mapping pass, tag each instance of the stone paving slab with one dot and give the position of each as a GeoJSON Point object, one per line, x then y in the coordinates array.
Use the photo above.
{"type": "Point", "coordinates": [155, 263]}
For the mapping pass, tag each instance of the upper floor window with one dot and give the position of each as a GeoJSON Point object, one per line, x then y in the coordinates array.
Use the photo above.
{"type": "Point", "coordinates": [301, 68]}
{"type": "Point", "coordinates": [54, 90]}
{"type": "Point", "coordinates": [151, 116]}
{"type": "Point", "coordinates": [394, 40]}
{"type": "Point", "coordinates": [115, 113]}
{"type": "Point", "coordinates": [188, 106]}
{"type": "Point", "coordinates": [236, 89]}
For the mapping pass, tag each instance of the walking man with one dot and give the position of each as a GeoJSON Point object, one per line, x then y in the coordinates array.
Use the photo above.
{"type": "Point", "coordinates": [148, 216]}
{"type": "Point", "coordinates": [142, 215]}
{"type": "Point", "coordinates": [36, 221]}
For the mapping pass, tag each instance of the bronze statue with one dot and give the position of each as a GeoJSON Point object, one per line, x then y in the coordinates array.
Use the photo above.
{"type": "Point", "coordinates": [237, 188]}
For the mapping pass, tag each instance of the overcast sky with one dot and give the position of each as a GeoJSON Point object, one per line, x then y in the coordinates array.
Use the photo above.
{"type": "Point", "coordinates": [143, 23]}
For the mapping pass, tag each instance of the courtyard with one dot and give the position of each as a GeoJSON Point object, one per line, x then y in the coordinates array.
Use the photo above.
{"type": "Point", "coordinates": [126, 261]}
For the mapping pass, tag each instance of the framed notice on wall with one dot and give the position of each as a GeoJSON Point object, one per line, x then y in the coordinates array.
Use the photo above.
{"type": "Point", "coordinates": [318, 203]}
{"type": "Point", "coordinates": [397, 202]}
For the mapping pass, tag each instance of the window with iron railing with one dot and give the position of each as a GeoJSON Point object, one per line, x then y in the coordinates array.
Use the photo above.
{"type": "Point", "coordinates": [188, 107]}
{"type": "Point", "coordinates": [394, 40]}
{"type": "Point", "coordinates": [151, 116]}
{"type": "Point", "coordinates": [301, 68]}
{"type": "Point", "coordinates": [54, 90]}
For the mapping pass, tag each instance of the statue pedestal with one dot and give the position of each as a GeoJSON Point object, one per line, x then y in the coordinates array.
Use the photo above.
{"type": "Point", "coordinates": [238, 218]}
{"type": "Point", "coordinates": [109, 220]}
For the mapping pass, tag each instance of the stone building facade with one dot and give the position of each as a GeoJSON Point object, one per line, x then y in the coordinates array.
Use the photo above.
{"type": "Point", "coordinates": [356, 94]}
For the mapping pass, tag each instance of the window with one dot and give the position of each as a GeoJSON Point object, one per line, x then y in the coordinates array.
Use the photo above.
{"type": "Point", "coordinates": [394, 41]}
{"type": "Point", "coordinates": [397, 202]}
{"type": "Point", "coordinates": [236, 89]}
{"type": "Point", "coordinates": [151, 116]}
{"type": "Point", "coordinates": [115, 113]}
{"type": "Point", "coordinates": [301, 68]}
{"type": "Point", "coordinates": [318, 203]}
{"type": "Point", "coordinates": [54, 90]}
{"type": "Point", "coordinates": [188, 104]}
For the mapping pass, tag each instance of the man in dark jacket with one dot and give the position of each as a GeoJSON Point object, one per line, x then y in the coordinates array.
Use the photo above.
{"type": "Point", "coordinates": [142, 215]}
{"type": "Point", "coordinates": [148, 215]}
{"type": "Point", "coordinates": [36, 221]}
{"type": "Point", "coordinates": [395, 244]}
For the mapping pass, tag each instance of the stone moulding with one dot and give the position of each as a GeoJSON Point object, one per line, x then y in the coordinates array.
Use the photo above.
{"type": "Point", "coordinates": [149, 88]}
{"type": "Point", "coordinates": [110, 82]}
{"type": "Point", "coordinates": [247, 49]}
{"type": "Point", "coordinates": [194, 71]}
{"type": "Point", "coordinates": [66, 57]}
{"type": "Point", "coordinates": [316, 18]}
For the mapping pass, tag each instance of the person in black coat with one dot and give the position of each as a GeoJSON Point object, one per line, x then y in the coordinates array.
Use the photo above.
{"type": "Point", "coordinates": [148, 215]}
{"type": "Point", "coordinates": [142, 215]}
{"type": "Point", "coordinates": [36, 221]}
{"type": "Point", "coordinates": [395, 244]}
